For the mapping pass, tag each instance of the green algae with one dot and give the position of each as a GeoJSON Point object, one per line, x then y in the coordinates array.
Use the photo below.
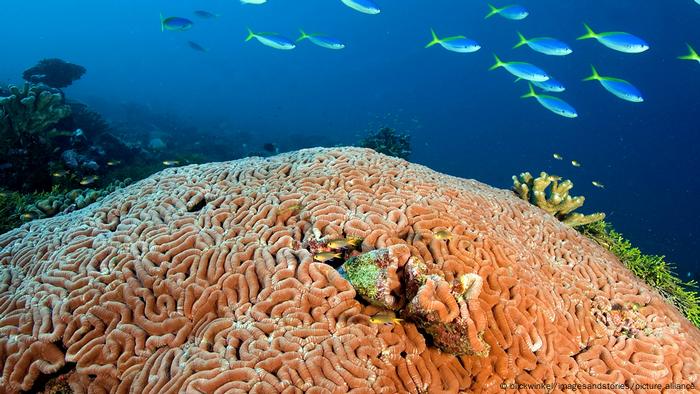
{"type": "Point", "coordinates": [364, 274]}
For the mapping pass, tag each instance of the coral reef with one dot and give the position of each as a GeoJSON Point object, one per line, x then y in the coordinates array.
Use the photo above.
{"type": "Point", "coordinates": [387, 277]}
{"type": "Point", "coordinates": [55, 73]}
{"type": "Point", "coordinates": [200, 279]}
{"type": "Point", "coordinates": [654, 270]}
{"type": "Point", "coordinates": [36, 153]}
{"type": "Point", "coordinates": [17, 208]}
{"type": "Point", "coordinates": [11, 204]}
{"type": "Point", "coordinates": [56, 203]}
{"type": "Point", "coordinates": [82, 117]}
{"type": "Point", "coordinates": [449, 312]}
{"type": "Point", "coordinates": [30, 110]}
{"type": "Point", "coordinates": [548, 193]}
{"type": "Point", "coordinates": [390, 142]}
{"type": "Point", "coordinates": [26, 117]}
{"type": "Point", "coordinates": [375, 278]}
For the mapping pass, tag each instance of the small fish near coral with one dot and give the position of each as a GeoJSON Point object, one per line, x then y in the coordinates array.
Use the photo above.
{"type": "Point", "coordinates": [345, 243]}
{"type": "Point", "coordinates": [385, 317]}
{"type": "Point", "coordinates": [443, 235]}
{"type": "Point", "coordinates": [89, 180]}
{"type": "Point", "coordinates": [325, 257]}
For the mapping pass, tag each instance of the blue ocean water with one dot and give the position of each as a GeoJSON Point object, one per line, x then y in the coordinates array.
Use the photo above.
{"type": "Point", "coordinates": [463, 120]}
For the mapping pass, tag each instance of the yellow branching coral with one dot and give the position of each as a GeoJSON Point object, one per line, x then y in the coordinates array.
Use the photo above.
{"type": "Point", "coordinates": [551, 194]}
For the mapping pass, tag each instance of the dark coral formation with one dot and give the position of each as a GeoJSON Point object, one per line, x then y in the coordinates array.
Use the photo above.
{"type": "Point", "coordinates": [29, 110]}
{"type": "Point", "coordinates": [390, 142]}
{"type": "Point", "coordinates": [55, 73]}
{"type": "Point", "coordinates": [27, 115]}
{"type": "Point", "coordinates": [45, 142]}
{"type": "Point", "coordinates": [82, 117]}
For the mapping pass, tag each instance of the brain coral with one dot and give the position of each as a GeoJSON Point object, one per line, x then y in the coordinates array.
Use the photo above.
{"type": "Point", "coordinates": [199, 279]}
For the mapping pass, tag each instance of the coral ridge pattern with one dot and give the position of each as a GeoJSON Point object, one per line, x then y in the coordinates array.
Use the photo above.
{"type": "Point", "coordinates": [200, 279]}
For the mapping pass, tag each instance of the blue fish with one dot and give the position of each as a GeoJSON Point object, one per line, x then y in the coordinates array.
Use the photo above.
{"type": "Point", "coordinates": [175, 23]}
{"type": "Point", "coordinates": [206, 14]}
{"type": "Point", "coordinates": [321, 40]}
{"type": "Point", "coordinates": [273, 40]}
{"type": "Point", "coordinates": [546, 45]}
{"type": "Point", "coordinates": [522, 70]}
{"type": "Point", "coordinates": [617, 40]}
{"type": "Point", "coordinates": [618, 87]}
{"type": "Point", "coordinates": [513, 12]}
{"type": "Point", "coordinates": [459, 44]}
{"type": "Point", "coordinates": [197, 47]}
{"type": "Point", "coordinates": [550, 85]}
{"type": "Point", "coordinates": [554, 104]}
{"type": "Point", "coordinates": [364, 6]}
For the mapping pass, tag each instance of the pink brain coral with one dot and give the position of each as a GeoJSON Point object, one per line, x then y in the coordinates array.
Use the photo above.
{"type": "Point", "coordinates": [199, 279]}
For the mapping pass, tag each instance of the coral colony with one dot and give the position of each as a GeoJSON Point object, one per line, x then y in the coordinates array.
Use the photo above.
{"type": "Point", "coordinates": [329, 270]}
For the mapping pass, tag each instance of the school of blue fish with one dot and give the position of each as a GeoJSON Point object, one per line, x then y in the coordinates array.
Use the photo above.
{"type": "Point", "coordinates": [536, 77]}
